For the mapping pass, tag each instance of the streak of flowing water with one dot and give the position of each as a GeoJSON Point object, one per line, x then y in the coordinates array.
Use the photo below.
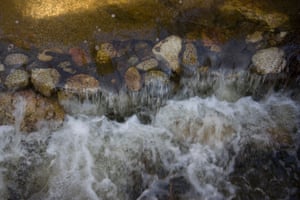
{"type": "Point", "coordinates": [189, 151]}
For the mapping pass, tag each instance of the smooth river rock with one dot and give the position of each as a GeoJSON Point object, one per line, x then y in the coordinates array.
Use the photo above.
{"type": "Point", "coordinates": [17, 79]}
{"type": "Point", "coordinates": [18, 59]}
{"type": "Point", "coordinates": [168, 50]}
{"type": "Point", "coordinates": [45, 80]}
{"type": "Point", "coordinates": [268, 61]}
{"type": "Point", "coordinates": [133, 79]}
{"type": "Point", "coordinates": [29, 111]}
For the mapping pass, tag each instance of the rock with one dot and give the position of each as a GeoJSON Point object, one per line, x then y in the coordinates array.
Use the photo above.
{"type": "Point", "coordinates": [268, 61]}
{"type": "Point", "coordinates": [156, 78]}
{"type": "Point", "coordinates": [254, 12]}
{"type": "Point", "coordinates": [168, 50]}
{"type": "Point", "coordinates": [17, 79]}
{"type": "Point", "coordinates": [254, 37]}
{"type": "Point", "coordinates": [133, 79]}
{"type": "Point", "coordinates": [190, 57]}
{"type": "Point", "coordinates": [2, 67]}
{"type": "Point", "coordinates": [44, 57]}
{"type": "Point", "coordinates": [67, 67]}
{"type": "Point", "coordinates": [105, 53]}
{"type": "Point", "coordinates": [81, 85]}
{"type": "Point", "coordinates": [147, 65]}
{"type": "Point", "coordinates": [79, 56]}
{"type": "Point", "coordinates": [45, 80]}
{"type": "Point", "coordinates": [28, 111]}
{"type": "Point", "coordinates": [18, 59]}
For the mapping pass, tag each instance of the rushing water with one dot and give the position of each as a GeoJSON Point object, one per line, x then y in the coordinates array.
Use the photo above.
{"type": "Point", "coordinates": [188, 151]}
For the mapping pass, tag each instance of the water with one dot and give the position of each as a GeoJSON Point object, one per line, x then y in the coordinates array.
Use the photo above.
{"type": "Point", "coordinates": [188, 151]}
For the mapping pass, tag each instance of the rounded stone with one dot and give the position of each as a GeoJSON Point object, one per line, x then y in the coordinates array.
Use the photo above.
{"type": "Point", "coordinates": [105, 53]}
{"type": "Point", "coordinates": [45, 80]}
{"type": "Point", "coordinates": [44, 57]}
{"type": "Point", "coordinates": [16, 59]}
{"type": "Point", "coordinates": [2, 67]}
{"type": "Point", "coordinates": [17, 79]}
{"type": "Point", "coordinates": [133, 79]}
{"type": "Point", "coordinates": [79, 56]}
{"type": "Point", "coordinates": [190, 57]}
{"type": "Point", "coordinates": [82, 84]}
{"type": "Point", "coordinates": [268, 61]}
{"type": "Point", "coordinates": [147, 65]}
{"type": "Point", "coordinates": [168, 50]}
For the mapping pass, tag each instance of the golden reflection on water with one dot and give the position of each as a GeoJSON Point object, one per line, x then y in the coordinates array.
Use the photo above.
{"type": "Point", "coordinates": [40, 9]}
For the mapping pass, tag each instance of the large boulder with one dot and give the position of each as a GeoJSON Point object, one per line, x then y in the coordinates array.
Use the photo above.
{"type": "Point", "coordinates": [17, 79]}
{"type": "Point", "coordinates": [268, 61]}
{"type": "Point", "coordinates": [45, 80]}
{"type": "Point", "coordinates": [168, 50]}
{"type": "Point", "coordinates": [29, 111]}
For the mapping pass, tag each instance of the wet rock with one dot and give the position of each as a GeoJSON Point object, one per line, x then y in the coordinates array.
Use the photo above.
{"type": "Point", "coordinates": [79, 56]}
{"type": "Point", "coordinates": [17, 79]}
{"type": "Point", "coordinates": [268, 61]}
{"type": "Point", "coordinates": [2, 67]}
{"type": "Point", "coordinates": [45, 80]}
{"type": "Point", "coordinates": [190, 59]}
{"type": "Point", "coordinates": [81, 85]}
{"type": "Point", "coordinates": [168, 50]}
{"type": "Point", "coordinates": [254, 37]}
{"type": "Point", "coordinates": [133, 60]}
{"type": "Point", "coordinates": [133, 79]}
{"type": "Point", "coordinates": [147, 65]}
{"type": "Point", "coordinates": [67, 67]}
{"type": "Point", "coordinates": [28, 111]}
{"type": "Point", "coordinates": [45, 57]}
{"type": "Point", "coordinates": [254, 12]}
{"type": "Point", "coordinates": [18, 59]}
{"type": "Point", "coordinates": [105, 53]}
{"type": "Point", "coordinates": [156, 78]}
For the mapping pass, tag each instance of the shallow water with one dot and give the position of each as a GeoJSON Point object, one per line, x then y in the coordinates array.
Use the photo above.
{"type": "Point", "coordinates": [189, 151]}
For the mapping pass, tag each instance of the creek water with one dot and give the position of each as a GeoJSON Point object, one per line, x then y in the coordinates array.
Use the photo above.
{"type": "Point", "coordinates": [194, 148]}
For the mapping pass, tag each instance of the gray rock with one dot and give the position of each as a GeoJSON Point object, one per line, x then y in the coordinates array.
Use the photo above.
{"type": "Point", "coordinates": [16, 59]}
{"type": "Point", "coordinates": [2, 67]}
{"type": "Point", "coordinates": [168, 50]}
{"type": "Point", "coordinates": [17, 79]}
{"type": "Point", "coordinates": [45, 80]}
{"type": "Point", "coordinates": [268, 61]}
{"type": "Point", "coordinates": [147, 65]}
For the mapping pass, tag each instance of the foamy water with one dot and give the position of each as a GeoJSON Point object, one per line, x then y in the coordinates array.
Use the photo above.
{"type": "Point", "coordinates": [187, 152]}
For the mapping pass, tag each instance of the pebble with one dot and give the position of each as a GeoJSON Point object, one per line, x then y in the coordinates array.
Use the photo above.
{"type": "Point", "coordinates": [2, 67]}
{"type": "Point", "coordinates": [16, 59]}
{"type": "Point", "coordinates": [17, 79]}
{"type": "Point", "coordinates": [148, 64]}
{"type": "Point", "coordinates": [133, 79]}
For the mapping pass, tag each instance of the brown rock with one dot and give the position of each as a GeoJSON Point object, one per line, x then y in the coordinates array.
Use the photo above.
{"type": "Point", "coordinates": [45, 57]}
{"type": "Point", "coordinates": [79, 56]}
{"type": "Point", "coordinates": [81, 85]}
{"type": "Point", "coordinates": [28, 110]}
{"type": "Point", "coordinates": [133, 79]}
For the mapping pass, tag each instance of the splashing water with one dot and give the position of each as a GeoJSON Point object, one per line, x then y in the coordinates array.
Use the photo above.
{"type": "Point", "coordinates": [189, 151]}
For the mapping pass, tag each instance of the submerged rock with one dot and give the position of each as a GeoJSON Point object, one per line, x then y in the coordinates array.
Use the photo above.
{"type": "Point", "coordinates": [268, 61]}
{"type": "Point", "coordinates": [80, 85]}
{"type": "Point", "coordinates": [79, 56]}
{"type": "Point", "coordinates": [28, 111]}
{"type": "Point", "coordinates": [45, 80]}
{"type": "Point", "coordinates": [18, 59]}
{"type": "Point", "coordinates": [17, 79]}
{"type": "Point", "coordinates": [45, 57]}
{"type": "Point", "coordinates": [147, 65]}
{"type": "Point", "coordinates": [168, 50]}
{"type": "Point", "coordinates": [133, 79]}
{"type": "Point", "coordinates": [2, 67]}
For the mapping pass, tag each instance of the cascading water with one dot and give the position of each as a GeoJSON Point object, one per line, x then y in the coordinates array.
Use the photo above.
{"type": "Point", "coordinates": [190, 150]}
